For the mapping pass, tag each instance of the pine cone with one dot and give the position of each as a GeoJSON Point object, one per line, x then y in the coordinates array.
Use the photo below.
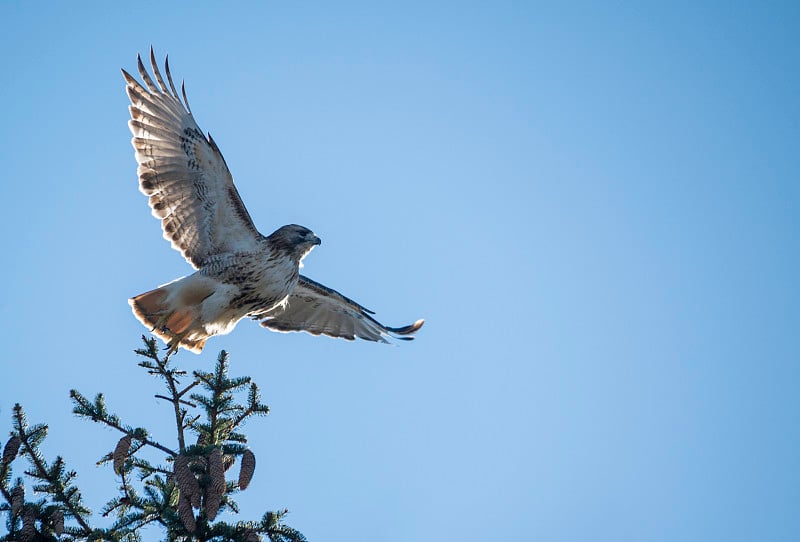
{"type": "Point", "coordinates": [11, 449]}
{"type": "Point", "coordinates": [28, 524]}
{"type": "Point", "coordinates": [216, 470]}
{"type": "Point", "coordinates": [247, 469]}
{"type": "Point", "coordinates": [58, 522]}
{"type": "Point", "coordinates": [212, 500]}
{"type": "Point", "coordinates": [216, 488]}
{"type": "Point", "coordinates": [186, 481]}
{"type": "Point", "coordinates": [251, 536]}
{"type": "Point", "coordinates": [194, 498]}
{"type": "Point", "coordinates": [121, 453]}
{"type": "Point", "coordinates": [17, 500]}
{"type": "Point", "coordinates": [186, 513]}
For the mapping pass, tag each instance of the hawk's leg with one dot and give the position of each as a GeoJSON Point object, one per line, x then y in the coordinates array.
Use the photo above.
{"type": "Point", "coordinates": [175, 338]}
{"type": "Point", "coordinates": [161, 323]}
{"type": "Point", "coordinates": [175, 342]}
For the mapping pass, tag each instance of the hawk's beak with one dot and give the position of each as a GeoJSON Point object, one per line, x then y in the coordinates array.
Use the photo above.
{"type": "Point", "coordinates": [317, 240]}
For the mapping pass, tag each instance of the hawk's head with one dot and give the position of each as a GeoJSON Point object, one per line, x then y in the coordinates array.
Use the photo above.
{"type": "Point", "coordinates": [296, 241]}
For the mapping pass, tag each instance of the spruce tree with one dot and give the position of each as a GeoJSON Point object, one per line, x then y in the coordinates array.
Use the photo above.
{"type": "Point", "coordinates": [182, 491]}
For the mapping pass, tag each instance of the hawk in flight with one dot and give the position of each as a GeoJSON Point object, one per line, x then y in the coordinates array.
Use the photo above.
{"type": "Point", "coordinates": [239, 272]}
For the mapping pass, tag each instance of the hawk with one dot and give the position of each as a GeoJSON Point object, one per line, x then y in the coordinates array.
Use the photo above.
{"type": "Point", "coordinates": [239, 272]}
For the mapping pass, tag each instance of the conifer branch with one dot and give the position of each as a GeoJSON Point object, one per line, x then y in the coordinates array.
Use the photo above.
{"type": "Point", "coordinates": [57, 482]}
{"type": "Point", "coordinates": [97, 413]}
{"type": "Point", "coordinates": [184, 499]}
{"type": "Point", "coordinates": [187, 403]}
{"type": "Point", "coordinates": [160, 366]}
{"type": "Point", "coordinates": [254, 406]}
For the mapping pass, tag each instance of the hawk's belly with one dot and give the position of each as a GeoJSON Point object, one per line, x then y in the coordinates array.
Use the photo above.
{"type": "Point", "coordinates": [242, 286]}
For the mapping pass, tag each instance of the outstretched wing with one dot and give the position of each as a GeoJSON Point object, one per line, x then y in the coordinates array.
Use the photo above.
{"type": "Point", "coordinates": [318, 309]}
{"type": "Point", "coordinates": [184, 173]}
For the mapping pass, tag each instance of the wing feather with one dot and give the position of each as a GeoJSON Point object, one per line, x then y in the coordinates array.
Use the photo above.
{"type": "Point", "coordinates": [156, 72]}
{"type": "Point", "coordinates": [317, 309]}
{"type": "Point", "coordinates": [145, 75]}
{"type": "Point", "coordinates": [169, 77]}
{"type": "Point", "coordinates": [183, 172]}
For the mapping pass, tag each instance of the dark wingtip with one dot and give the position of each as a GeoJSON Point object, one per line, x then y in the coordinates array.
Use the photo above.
{"type": "Point", "coordinates": [407, 330]}
{"type": "Point", "coordinates": [169, 77]}
{"type": "Point", "coordinates": [156, 71]}
{"type": "Point", "coordinates": [185, 99]}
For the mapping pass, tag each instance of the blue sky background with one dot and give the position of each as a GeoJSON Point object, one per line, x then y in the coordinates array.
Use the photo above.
{"type": "Point", "coordinates": [594, 206]}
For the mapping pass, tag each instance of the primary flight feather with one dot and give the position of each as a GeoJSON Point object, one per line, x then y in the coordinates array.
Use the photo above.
{"type": "Point", "coordinates": [239, 272]}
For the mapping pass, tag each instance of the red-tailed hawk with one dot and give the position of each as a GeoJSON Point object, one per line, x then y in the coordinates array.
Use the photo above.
{"type": "Point", "coordinates": [240, 272]}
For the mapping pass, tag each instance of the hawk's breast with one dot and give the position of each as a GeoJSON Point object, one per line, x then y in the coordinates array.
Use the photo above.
{"type": "Point", "coordinates": [261, 280]}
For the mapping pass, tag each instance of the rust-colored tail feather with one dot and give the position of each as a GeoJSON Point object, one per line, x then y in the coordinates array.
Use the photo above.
{"type": "Point", "coordinates": [153, 311]}
{"type": "Point", "coordinates": [149, 307]}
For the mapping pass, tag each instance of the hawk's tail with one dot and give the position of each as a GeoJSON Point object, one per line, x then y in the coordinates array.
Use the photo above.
{"type": "Point", "coordinates": [154, 311]}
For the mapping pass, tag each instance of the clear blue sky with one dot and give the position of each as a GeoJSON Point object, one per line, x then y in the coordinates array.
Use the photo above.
{"type": "Point", "coordinates": [595, 208]}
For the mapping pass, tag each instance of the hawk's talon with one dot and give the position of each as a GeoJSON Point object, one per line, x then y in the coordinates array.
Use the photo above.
{"type": "Point", "coordinates": [175, 342]}
{"type": "Point", "coordinates": [161, 323]}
